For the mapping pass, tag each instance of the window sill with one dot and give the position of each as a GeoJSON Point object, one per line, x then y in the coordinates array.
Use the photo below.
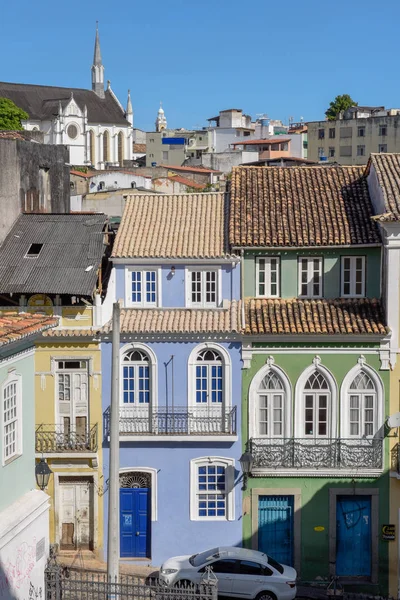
{"type": "Point", "coordinates": [11, 459]}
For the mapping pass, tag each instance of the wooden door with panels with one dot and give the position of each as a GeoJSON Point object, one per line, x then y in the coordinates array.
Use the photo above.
{"type": "Point", "coordinates": [76, 513]}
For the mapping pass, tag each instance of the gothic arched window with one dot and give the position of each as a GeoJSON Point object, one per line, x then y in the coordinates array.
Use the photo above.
{"type": "Point", "coordinates": [120, 148]}
{"type": "Point", "coordinates": [362, 406]}
{"type": "Point", "coordinates": [317, 400]}
{"type": "Point", "coordinates": [106, 146]}
{"type": "Point", "coordinates": [271, 403]}
{"type": "Point", "coordinates": [92, 151]}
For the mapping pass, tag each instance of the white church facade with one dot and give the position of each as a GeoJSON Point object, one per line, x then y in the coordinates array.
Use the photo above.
{"type": "Point", "coordinates": [92, 123]}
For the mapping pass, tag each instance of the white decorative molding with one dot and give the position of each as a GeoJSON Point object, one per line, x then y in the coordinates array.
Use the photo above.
{"type": "Point", "coordinates": [361, 360]}
{"type": "Point", "coordinates": [316, 360]}
{"type": "Point", "coordinates": [229, 464]}
{"type": "Point", "coordinates": [153, 473]}
{"type": "Point", "coordinates": [270, 361]}
{"type": "Point", "coordinates": [385, 355]}
{"type": "Point", "coordinates": [253, 403]}
{"type": "Point", "coordinates": [42, 382]}
{"type": "Point", "coordinates": [247, 352]}
{"type": "Point", "coordinates": [226, 371]}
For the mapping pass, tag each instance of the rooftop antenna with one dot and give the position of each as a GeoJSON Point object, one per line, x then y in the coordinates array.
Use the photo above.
{"type": "Point", "coordinates": [301, 119]}
{"type": "Point", "coordinates": [291, 119]}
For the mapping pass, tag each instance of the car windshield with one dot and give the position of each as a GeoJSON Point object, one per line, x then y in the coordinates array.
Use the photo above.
{"type": "Point", "coordinates": [199, 559]}
{"type": "Point", "coordinates": [275, 564]}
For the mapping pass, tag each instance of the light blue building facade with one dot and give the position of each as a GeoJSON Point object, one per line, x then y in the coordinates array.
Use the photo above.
{"type": "Point", "coordinates": [180, 380]}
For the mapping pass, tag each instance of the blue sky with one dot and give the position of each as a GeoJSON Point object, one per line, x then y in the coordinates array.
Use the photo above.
{"type": "Point", "coordinates": [200, 56]}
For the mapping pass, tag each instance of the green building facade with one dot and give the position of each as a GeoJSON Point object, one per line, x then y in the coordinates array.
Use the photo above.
{"type": "Point", "coordinates": [316, 372]}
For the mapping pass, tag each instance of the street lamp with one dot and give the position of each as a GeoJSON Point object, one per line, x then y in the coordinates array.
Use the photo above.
{"type": "Point", "coordinates": [246, 463]}
{"type": "Point", "coordinates": [42, 474]}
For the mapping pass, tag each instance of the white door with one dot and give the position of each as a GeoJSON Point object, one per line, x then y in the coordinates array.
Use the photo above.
{"type": "Point", "coordinates": [72, 404]}
{"type": "Point", "coordinates": [76, 513]}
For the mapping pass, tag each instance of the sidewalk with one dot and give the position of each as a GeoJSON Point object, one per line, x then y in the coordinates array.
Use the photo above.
{"type": "Point", "coordinates": [86, 561]}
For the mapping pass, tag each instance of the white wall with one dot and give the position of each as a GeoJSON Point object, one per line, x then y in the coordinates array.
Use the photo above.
{"type": "Point", "coordinates": [115, 180]}
{"type": "Point", "coordinates": [24, 547]}
{"type": "Point", "coordinates": [76, 203]}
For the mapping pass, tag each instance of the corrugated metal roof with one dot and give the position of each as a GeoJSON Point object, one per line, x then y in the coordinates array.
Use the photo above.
{"type": "Point", "coordinates": [71, 244]}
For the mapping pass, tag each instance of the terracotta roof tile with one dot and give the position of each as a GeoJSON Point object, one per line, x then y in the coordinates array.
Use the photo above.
{"type": "Point", "coordinates": [329, 317]}
{"type": "Point", "coordinates": [188, 182]}
{"type": "Point", "coordinates": [11, 135]}
{"type": "Point", "coordinates": [172, 226]}
{"type": "Point", "coordinates": [387, 167]}
{"type": "Point", "coordinates": [300, 206]}
{"type": "Point", "coordinates": [180, 320]}
{"type": "Point", "coordinates": [139, 148]}
{"type": "Point", "coordinates": [199, 169]}
{"type": "Point", "coordinates": [15, 326]}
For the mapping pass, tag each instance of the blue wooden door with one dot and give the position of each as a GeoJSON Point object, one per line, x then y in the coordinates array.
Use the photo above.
{"type": "Point", "coordinates": [134, 507]}
{"type": "Point", "coordinates": [275, 527]}
{"type": "Point", "coordinates": [353, 535]}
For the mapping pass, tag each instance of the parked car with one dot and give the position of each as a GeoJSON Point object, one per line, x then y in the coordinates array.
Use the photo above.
{"type": "Point", "coordinates": [241, 573]}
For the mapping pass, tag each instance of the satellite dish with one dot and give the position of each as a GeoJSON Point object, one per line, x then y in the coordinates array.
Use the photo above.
{"type": "Point", "coordinates": [394, 420]}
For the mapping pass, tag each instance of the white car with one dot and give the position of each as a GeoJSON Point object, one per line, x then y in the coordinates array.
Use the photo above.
{"type": "Point", "coordinates": [241, 573]}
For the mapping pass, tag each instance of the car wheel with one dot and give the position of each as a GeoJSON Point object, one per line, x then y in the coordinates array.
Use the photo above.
{"type": "Point", "coordinates": [265, 596]}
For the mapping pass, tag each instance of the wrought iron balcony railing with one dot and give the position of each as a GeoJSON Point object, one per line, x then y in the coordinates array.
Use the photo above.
{"type": "Point", "coordinates": [51, 438]}
{"type": "Point", "coordinates": [316, 453]}
{"type": "Point", "coordinates": [177, 420]}
{"type": "Point", "coordinates": [395, 459]}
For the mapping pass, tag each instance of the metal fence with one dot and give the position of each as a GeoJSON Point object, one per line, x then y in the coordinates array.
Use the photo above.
{"type": "Point", "coordinates": [64, 583]}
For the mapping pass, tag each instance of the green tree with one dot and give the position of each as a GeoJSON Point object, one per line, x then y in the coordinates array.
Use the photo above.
{"type": "Point", "coordinates": [11, 115]}
{"type": "Point", "coordinates": [340, 103]}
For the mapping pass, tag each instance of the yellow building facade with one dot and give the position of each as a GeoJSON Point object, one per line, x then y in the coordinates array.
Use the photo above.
{"type": "Point", "coordinates": [68, 436]}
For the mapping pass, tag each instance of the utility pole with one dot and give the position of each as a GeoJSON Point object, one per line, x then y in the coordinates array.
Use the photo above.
{"type": "Point", "coordinates": [113, 495]}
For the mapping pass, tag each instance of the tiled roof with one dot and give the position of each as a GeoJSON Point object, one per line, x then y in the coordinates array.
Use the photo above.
{"type": "Point", "coordinates": [387, 167]}
{"type": "Point", "coordinates": [188, 182]}
{"type": "Point", "coordinates": [180, 320]}
{"type": "Point", "coordinates": [14, 326]}
{"type": "Point", "coordinates": [202, 170]}
{"type": "Point", "coordinates": [139, 148]}
{"type": "Point", "coordinates": [41, 102]}
{"type": "Point", "coordinates": [265, 142]}
{"type": "Point", "coordinates": [330, 317]}
{"type": "Point", "coordinates": [300, 206]}
{"type": "Point", "coordinates": [87, 175]}
{"type": "Point", "coordinates": [11, 135]}
{"type": "Point", "coordinates": [172, 226]}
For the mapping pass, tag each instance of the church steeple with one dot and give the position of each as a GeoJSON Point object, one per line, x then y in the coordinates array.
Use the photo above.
{"type": "Point", "coordinates": [129, 109]}
{"type": "Point", "coordinates": [97, 67]}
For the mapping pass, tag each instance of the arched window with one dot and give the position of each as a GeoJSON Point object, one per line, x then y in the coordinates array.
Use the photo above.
{"type": "Point", "coordinates": [106, 146]}
{"type": "Point", "coordinates": [316, 405]}
{"type": "Point", "coordinates": [271, 402]}
{"type": "Point", "coordinates": [92, 150]}
{"type": "Point", "coordinates": [362, 406]}
{"type": "Point", "coordinates": [209, 378]}
{"type": "Point", "coordinates": [135, 378]}
{"type": "Point", "coordinates": [120, 148]}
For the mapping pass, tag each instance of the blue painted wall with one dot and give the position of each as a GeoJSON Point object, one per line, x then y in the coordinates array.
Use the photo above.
{"type": "Point", "coordinates": [173, 287]}
{"type": "Point", "coordinates": [173, 533]}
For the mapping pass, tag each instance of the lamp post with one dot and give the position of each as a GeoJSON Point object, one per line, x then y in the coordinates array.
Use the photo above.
{"type": "Point", "coordinates": [42, 474]}
{"type": "Point", "coordinates": [246, 463]}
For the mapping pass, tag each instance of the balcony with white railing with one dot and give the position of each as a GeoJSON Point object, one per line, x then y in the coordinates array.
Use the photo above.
{"type": "Point", "coordinates": [317, 456]}
{"type": "Point", "coordinates": [199, 423]}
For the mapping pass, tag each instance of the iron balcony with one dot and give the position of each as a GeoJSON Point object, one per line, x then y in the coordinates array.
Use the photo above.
{"type": "Point", "coordinates": [51, 438]}
{"type": "Point", "coordinates": [177, 420]}
{"type": "Point", "coordinates": [317, 453]}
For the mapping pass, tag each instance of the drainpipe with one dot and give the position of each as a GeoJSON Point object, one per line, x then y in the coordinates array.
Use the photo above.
{"type": "Point", "coordinates": [242, 287]}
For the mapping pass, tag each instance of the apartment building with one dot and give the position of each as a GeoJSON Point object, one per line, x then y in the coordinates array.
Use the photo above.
{"type": "Point", "coordinates": [359, 131]}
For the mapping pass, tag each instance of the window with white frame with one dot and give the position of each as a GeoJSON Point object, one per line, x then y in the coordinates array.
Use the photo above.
{"type": "Point", "coordinates": [203, 288]}
{"type": "Point", "coordinates": [12, 419]}
{"type": "Point", "coordinates": [362, 406]}
{"type": "Point", "coordinates": [353, 276]}
{"type": "Point", "coordinates": [316, 406]}
{"type": "Point", "coordinates": [209, 377]}
{"type": "Point", "coordinates": [143, 287]}
{"type": "Point", "coordinates": [212, 489]}
{"type": "Point", "coordinates": [271, 402]}
{"type": "Point", "coordinates": [310, 277]}
{"type": "Point", "coordinates": [267, 272]}
{"type": "Point", "coordinates": [135, 378]}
